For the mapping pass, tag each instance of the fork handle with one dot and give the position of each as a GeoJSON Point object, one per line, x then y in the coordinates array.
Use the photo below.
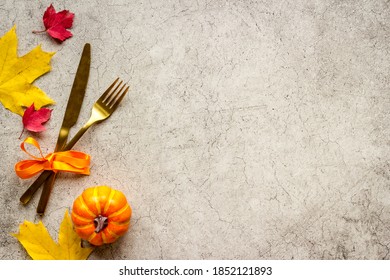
{"type": "Point", "coordinates": [78, 135]}
{"type": "Point", "coordinates": [28, 194]}
{"type": "Point", "coordinates": [47, 187]}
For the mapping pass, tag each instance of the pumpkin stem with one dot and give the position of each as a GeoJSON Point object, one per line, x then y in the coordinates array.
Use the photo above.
{"type": "Point", "coordinates": [100, 223]}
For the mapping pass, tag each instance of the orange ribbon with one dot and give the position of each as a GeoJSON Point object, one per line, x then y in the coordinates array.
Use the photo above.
{"type": "Point", "coordinates": [68, 161]}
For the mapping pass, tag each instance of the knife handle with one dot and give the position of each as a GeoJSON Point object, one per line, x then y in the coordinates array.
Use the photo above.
{"type": "Point", "coordinates": [26, 197]}
{"type": "Point", "coordinates": [47, 187]}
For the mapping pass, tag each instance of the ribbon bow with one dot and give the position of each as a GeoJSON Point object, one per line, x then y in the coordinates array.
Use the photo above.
{"type": "Point", "coordinates": [69, 161]}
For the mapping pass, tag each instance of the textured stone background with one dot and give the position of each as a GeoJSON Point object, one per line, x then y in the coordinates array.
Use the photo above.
{"type": "Point", "coordinates": [253, 129]}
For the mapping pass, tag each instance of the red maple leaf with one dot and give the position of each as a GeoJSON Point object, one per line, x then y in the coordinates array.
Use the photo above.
{"type": "Point", "coordinates": [33, 119]}
{"type": "Point", "coordinates": [56, 24]}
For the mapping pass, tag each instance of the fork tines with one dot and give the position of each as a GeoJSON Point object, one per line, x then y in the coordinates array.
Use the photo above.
{"type": "Point", "coordinates": [112, 97]}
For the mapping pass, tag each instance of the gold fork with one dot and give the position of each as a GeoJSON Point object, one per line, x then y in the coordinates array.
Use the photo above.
{"type": "Point", "coordinates": [101, 110]}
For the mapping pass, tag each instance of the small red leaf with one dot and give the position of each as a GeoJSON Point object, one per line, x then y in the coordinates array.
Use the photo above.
{"type": "Point", "coordinates": [57, 23]}
{"type": "Point", "coordinates": [33, 119]}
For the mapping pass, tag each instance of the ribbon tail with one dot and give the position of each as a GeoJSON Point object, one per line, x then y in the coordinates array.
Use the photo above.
{"type": "Point", "coordinates": [28, 168]}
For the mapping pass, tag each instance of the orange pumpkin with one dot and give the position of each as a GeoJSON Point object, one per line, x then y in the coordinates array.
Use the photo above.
{"type": "Point", "coordinates": [101, 215]}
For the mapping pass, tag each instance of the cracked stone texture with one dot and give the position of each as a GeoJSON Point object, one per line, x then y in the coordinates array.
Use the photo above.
{"type": "Point", "coordinates": [253, 129]}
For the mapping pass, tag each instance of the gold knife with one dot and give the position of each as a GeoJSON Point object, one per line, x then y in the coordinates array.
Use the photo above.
{"type": "Point", "coordinates": [70, 118]}
{"type": "Point", "coordinates": [71, 115]}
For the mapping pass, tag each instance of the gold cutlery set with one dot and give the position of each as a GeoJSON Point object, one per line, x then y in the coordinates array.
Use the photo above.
{"type": "Point", "coordinates": [101, 110]}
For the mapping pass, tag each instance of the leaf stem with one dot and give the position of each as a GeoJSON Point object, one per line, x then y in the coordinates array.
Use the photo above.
{"type": "Point", "coordinates": [38, 32]}
{"type": "Point", "coordinates": [20, 136]}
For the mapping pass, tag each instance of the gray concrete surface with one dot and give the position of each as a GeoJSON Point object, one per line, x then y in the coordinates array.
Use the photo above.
{"type": "Point", "coordinates": [253, 129]}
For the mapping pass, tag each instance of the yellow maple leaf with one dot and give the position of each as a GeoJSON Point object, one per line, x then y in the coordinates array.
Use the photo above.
{"type": "Point", "coordinates": [18, 73]}
{"type": "Point", "coordinates": [40, 246]}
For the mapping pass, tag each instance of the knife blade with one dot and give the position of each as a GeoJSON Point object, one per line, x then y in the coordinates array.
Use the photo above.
{"type": "Point", "coordinates": [72, 112]}
{"type": "Point", "coordinates": [76, 97]}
